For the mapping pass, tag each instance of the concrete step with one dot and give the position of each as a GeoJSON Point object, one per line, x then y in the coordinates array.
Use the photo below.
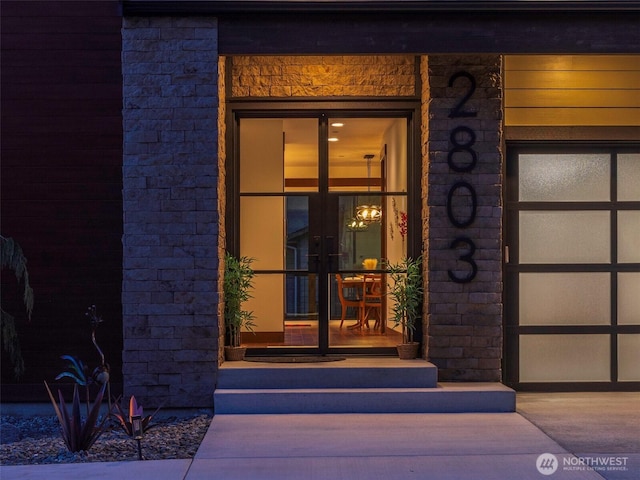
{"type": "Point", "coordinates": [354, 385]}
{"type": "Point", "coordinates": [445, 398]}
{"type": "Point", "coordinates": [353, 372]}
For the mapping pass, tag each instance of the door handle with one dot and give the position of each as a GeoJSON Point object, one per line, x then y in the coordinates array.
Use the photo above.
{"type": "Point", "coordinates": [314, 257]}
{"type": "Point", "coordinates": [331, 251]}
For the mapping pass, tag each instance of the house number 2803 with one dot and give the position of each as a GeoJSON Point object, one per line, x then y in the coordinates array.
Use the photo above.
{"type": "Point", "coordinates": [462, 158]}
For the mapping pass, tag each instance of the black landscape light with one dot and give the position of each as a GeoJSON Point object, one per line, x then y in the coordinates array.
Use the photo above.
{"type": "Point", "coordinates": [137, 432]}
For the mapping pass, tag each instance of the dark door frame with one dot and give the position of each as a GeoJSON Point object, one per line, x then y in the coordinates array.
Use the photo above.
{"type": "Point", "coordinates": [403, 108]}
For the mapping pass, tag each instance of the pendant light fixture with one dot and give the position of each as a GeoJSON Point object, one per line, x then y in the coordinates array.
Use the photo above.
{"type": "Point", "coordinates": [355, 225]}
{"type": "Point", "coordinates": [368, 213]}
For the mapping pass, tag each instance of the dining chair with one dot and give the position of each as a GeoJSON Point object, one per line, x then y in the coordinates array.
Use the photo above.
{"type": "Point", "coordinates": [372, 299]}
{"type": "Point", "coordinates": [348, 300]}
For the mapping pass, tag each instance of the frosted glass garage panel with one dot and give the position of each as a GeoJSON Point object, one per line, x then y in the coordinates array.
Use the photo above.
{"type": "Point", "coordinates": [564, 177]}
{"type": "Point", "coordinates": [564, 358]}
{"type": "Point", "coordinates": [565, 299]}
{"type": "Point", "coordinates": [629, 298]}
{"type": "Point", "coordinates": [629, 177]}
{"type": "Point", "coordinates": [564, 237]}
{"type": "Point", "coordinates": [629, 357]}
{"type": "Point", "coordinates": [629, 236]}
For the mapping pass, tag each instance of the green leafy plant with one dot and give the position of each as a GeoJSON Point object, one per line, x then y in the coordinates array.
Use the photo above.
{"type": "Point", "coordinates": [405, 287]}
{"type": "Point", "coordinates": [238, 282]}
{"type": "Point", "coordinates": [126, 420]}
{"type": "Point", "coordinates": [79, 435]}
{"type": "Point", "coordinates": [12, 257]}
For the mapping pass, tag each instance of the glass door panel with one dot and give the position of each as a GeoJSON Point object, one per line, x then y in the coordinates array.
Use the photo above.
{"type": "Point", "coordinates": [367, 154]}
{"type": "Point", "coordinates": [278, 159]}
{"type": "Point", "coordinates": [261, 226]}
{"type": "Point", "coordinates": [323, 203]}
{"type": "Point", "coordinates": [261, 155]}
{"type": "Point", "coordinates": [360, 241]}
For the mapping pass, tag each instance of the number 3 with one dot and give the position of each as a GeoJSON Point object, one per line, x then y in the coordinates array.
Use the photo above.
{"type": "Point", "coordinates": [466, 258]}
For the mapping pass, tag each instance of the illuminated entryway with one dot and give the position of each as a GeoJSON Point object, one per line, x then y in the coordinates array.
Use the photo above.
{"type": "Point", "coordinates": [302, 177]}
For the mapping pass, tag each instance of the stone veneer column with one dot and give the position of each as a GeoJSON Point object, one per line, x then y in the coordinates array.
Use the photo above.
{"type": "Point", "coordinates": [464, 320]}
{"type": "Point", "coordinates": [169, 291]}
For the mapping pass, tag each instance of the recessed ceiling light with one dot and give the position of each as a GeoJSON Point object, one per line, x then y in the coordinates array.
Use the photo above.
{"type": "Point", "coordinates": [333, 139]}
{"type": "Point", "coordinates": [337, 124]}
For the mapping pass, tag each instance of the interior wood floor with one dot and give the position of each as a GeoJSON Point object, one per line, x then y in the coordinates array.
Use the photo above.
{"type": "Point", "coordinates": [303, 333]}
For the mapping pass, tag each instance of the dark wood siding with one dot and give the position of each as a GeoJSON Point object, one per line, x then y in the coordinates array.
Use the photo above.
{"type": "Point", "coordinates": [62, 181]}
{"type": "Point", "coordinates": [429, 33]}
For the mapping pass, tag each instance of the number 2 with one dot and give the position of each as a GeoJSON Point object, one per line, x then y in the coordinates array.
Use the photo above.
{"type": "Point", "coordinates": [458, 111]}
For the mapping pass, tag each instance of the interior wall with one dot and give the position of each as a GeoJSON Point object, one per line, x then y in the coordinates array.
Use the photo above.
{"type": "Point", "coordinates": [395, 140]}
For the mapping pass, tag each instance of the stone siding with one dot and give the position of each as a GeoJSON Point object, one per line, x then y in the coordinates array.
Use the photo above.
{"type": "Point", "coordinates": [170, 195]}
{"type": "Point", "coordinates": [424, 196]}
{"type": "Point", "coordinates": [324, 76]}
{"type": "Point", "coordinates": [464, 319]}
{"type": "Point", "coordinates": [222, 197]}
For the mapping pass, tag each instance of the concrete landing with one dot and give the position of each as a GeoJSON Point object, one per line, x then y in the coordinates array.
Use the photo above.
{"type": "Point", "coordinates": [353, 372]}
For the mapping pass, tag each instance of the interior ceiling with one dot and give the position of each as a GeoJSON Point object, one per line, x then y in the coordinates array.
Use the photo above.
{"type": "Point", "coordinates": [357, 138]}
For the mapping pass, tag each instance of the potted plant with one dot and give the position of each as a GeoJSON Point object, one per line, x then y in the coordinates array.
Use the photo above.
{"type": "Point", "coordinates": [238, 281]}
{"type": "Point", "coordinates": [405, 287]}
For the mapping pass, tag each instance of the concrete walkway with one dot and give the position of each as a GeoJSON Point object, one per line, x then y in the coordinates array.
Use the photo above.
{"type": "Point", "coordinates": [478, 446]}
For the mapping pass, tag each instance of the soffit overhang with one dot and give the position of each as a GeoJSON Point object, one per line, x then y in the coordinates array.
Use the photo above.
{"type": "Point", "coordinates": [219, 7]}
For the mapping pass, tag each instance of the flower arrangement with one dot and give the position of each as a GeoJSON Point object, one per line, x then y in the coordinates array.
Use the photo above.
{"type": "Point", "coordinates": [402, 224]}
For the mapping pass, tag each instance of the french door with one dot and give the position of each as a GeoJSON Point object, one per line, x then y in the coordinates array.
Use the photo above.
{"type": "Point", "coordinates": [320, 196]}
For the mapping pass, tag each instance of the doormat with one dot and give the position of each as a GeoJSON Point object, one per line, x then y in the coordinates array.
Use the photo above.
{"type": "Point", "coordinates": [296, 359]}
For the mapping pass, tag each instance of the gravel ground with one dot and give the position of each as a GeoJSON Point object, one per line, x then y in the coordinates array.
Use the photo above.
{"type": "Point", "coordinates": [37, 440]}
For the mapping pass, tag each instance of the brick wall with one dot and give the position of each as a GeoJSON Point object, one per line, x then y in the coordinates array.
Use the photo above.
{"type": "Point", "coordinates": [319, 76]}
{"type": "Point", "coordinates": [464, 319]}
{"type": "Point", "coordinates": [170, 191]}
